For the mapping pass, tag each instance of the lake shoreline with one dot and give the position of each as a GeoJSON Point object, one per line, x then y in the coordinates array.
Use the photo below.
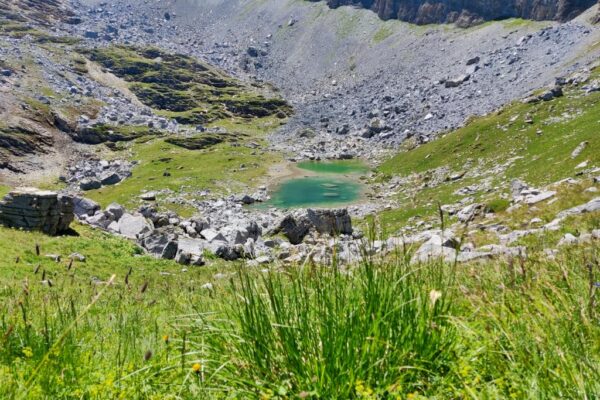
{"type": "Point", "coordinates": [328, 182]}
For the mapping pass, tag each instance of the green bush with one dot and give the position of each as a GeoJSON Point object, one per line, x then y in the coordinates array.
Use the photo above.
{"type": "Point", "coordinates": [497, 205]}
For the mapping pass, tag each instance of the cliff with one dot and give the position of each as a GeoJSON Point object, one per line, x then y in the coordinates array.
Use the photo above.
{"type": "Point", "coordinates": [469, 12]}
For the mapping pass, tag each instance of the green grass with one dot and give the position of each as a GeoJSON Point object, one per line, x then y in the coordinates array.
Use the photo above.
{"type": "Point", "coordinates": [346, 24]}
{"type": "Point", "coordinates": [110, 341]}
{"type": "Point", "coordinates": [217, 168]}
{"type": "Point", "coordinates": [384, 329]}
{"type": "Point", "coordinates": [4, 189]}
{"type": "Point", "coordinates": [382, 33]}
{"type": "Point", "coordinates": [493, 138]}
{"type": "Point", "coordinates": [334, 335]}
{"type": "Point", "coordinates": [540, 152]}
{"type": "Point", "coordinates": [183, 88]}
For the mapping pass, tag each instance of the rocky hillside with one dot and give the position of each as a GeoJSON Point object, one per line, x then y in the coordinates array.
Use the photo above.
{"type": "Point", "coordinates": [358, 84]}
{"type": "Point", "coordinates": [467, 13]}
{"type": "Point", "coordinates": [40, 11]}
{"type": "Point", "coordinates": [59, 93]}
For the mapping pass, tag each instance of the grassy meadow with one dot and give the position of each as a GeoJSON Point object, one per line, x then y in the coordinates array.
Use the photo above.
{"type": "Point", "coordinates": [532, 142]}
{"type": "Point", "coordinates": [88, 316]}
{"type": "Point", "coordinates": [224, 168]}
{"type": "Point", "coordinates": [124, 326]}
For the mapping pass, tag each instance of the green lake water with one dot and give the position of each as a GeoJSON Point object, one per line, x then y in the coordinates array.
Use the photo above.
{"type": "Point", "coordinates": [330, 184]}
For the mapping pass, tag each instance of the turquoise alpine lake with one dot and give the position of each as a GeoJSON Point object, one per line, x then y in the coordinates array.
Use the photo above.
{"type": "Point", "coordinates": [328, 185]}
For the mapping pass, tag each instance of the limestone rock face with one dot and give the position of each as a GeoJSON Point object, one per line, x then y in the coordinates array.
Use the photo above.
{"type": "Point", "coordinates": [466, 13]}
{"type": "Point", "coordinates": [331, 222]}
{"type": "Point", "coordinates": [34, 209]}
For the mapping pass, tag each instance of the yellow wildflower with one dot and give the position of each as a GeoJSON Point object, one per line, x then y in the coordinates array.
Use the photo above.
{"type": "Point", "coordinates": [196, 368]}
{"type": "Point", "coordinates": [27, 352]}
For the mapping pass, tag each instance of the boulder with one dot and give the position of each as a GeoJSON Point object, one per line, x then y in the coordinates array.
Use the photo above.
{"type": "Point", "coordinates": [295, 229]}
{"type": "Point", "coordinates": [131, 226]}
{"type": "Point", "coordinates": [456, 82]}
{"type": "Point", "coordinates": [109, 178]}
{"type": "Point", "coordinates": [470, 212]}
{"type": "Point", "coordinates": [99, 220]}
{"type": "Point", "coordinates": [531, 199]}
{"type": "Point", "coordinates": [469, 256]}
{"type": "Point", "coordinates": [252, 51]}
{"type": "Point", "coordinates": [89, 184]}
{"type": "Point", "coordinates": [115, 211]}
{"type": "Point", "coordinates": [591, 206]}
{"type": "Point", "coordinates": [228, 252]}
{"type": "Point", "coordinates": [332, 222]}
{"type": "Point", "coordinates": [34, 209]}
{"type": "Point", "coordinates": [377, 125]}
{"type": "Point", "coordinates": [579, 149]}
{"type": "Point", "coordinates": [161, 244]}
{"type": "Point", "coordinates": [437, 248]}
{"type": "Point", "coordinates": [568, 239]}
{"type": "Point", "coordinates": [504, 251]}
{"type": "Point", "coordinates": [148, 196]}
{"type": "Point", "coordinates": [84, 207]}
{"type": "Point", "coordinates": [113, 227]}
{"type": "Point", "coordinates": [190, 251]}
{"type": "Point", "coordinates": [212, 236]}
{"type": "Point", "coordinates": [238, 236]}
{"type": "Point", "coordinates": [517, 186]}
{"type": "Point", "coordinates": [199, 223]}
{"type": "Point", "coordinates": [246, 199]}
{"type": "Point", "coordinates": [473, 61]}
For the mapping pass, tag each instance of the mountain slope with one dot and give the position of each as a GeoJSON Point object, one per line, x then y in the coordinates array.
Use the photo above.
{"type": "Point", "coordinates": [466, 13]}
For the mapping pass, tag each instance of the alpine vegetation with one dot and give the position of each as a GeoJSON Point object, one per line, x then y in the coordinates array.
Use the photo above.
{"type": "Point", "coordinates": [262, 199]}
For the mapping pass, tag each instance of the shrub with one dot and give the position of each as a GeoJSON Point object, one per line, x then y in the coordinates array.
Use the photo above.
{"type": "Point", "coordinates": [497, 205]}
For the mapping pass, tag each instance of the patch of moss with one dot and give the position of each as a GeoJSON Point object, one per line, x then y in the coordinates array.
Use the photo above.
{"type": "Point", "coordinates": [183, 88]}
{"type": "Point", "coordinates": [108, 133]}
{"type": "Point", "coordinates": [497, 205]}
{"type": "Point", "coordinates": [68, 40]}
{"type": "Point", "coordinates": [4, 189]}
{"type": "Point", "coordinates": [197, 142]}
{"type": "Point", "coordinates": [383, 33]}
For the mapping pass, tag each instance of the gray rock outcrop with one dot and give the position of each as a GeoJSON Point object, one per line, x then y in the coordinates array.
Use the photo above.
{"type": "Point", "coordinates": [331, 222]}
{"type": "Point", "coordinates": [34, 209]}
{"type": "Point", "coordinates": [466, 13]}
{"type": "Point", "coordinates": [132, 226]}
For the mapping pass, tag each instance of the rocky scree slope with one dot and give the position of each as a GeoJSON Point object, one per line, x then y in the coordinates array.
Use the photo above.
{"type": "Point", "coordinates": [358, 84]}
{"type": "Point", "coordinates": [467, 13]}
{"type": "Point", "coordinates": [54, 100]}
{"type": "Point", "coordinates": [43, 12]}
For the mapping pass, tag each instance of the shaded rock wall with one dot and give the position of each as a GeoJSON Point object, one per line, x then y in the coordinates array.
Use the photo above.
{"type": "Point", "coordinates": [468, 12]}
{"type": "Point", "coordinates": [33, 209]}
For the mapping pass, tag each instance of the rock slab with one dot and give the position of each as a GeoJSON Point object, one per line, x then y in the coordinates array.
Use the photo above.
{"type": "Point", "coordinates": [37, 210]}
